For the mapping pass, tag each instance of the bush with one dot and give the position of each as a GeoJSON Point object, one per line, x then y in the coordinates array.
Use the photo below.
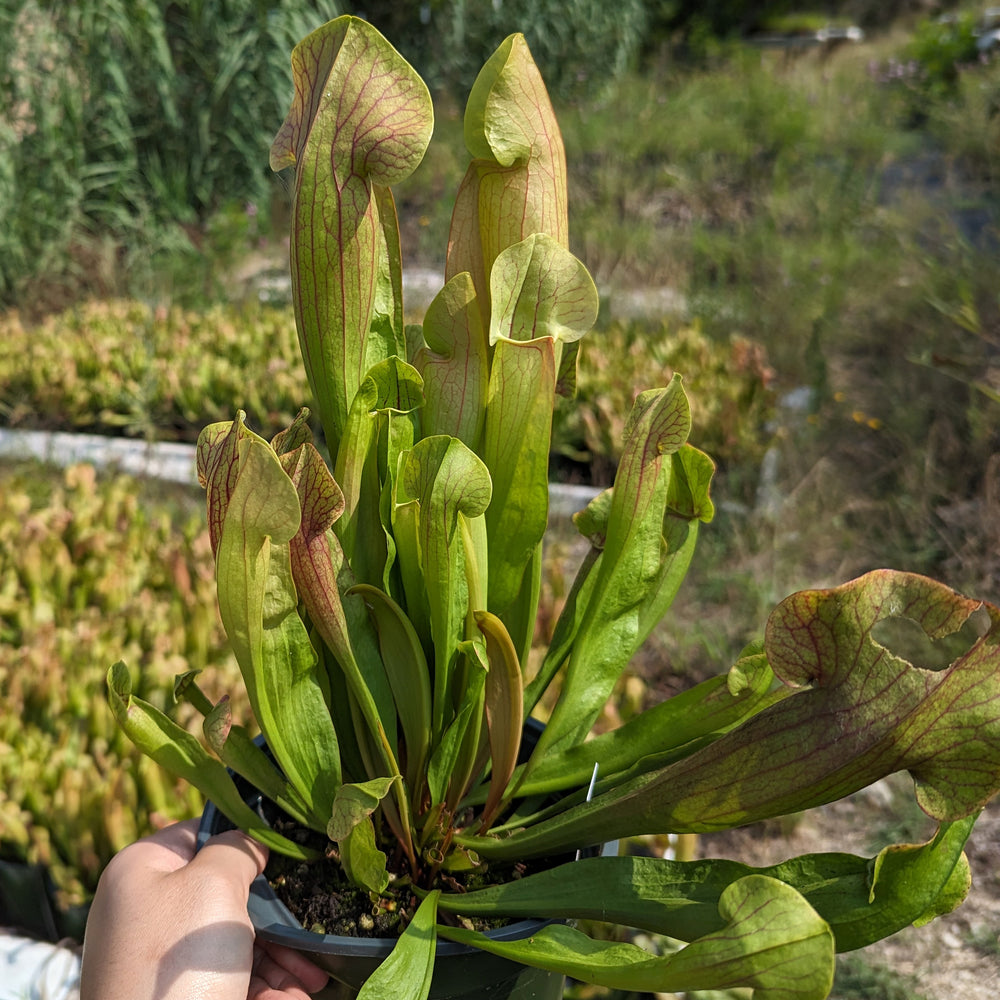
{"type": "Point", "coordinates": [580, 46]}
{"type": "Point", "coordinates": [940, 47]}
{"type": "Point", "coordinates": [121, 366]}
{"type": "Point", "coordinates": [42, 146]}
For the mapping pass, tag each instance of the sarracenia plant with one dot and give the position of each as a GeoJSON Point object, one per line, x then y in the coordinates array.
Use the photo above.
{"type": "Point", "coordinates": [382, 606]}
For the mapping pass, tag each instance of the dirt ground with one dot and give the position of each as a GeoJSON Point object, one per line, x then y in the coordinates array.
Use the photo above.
{"type": "Point", "coordinates": [956, 957]}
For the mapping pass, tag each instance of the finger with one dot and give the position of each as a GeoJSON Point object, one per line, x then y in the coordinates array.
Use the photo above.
{"type": "Point", "coordinates": [233, 854]}
{"type": "Point", "coordinates": [260, 990]}
{"type": "Point", "coordinates": [181, 836]}
{"type": "Point", "coordinates": [270, 980]}
{"type": "Point", "coordinates": [310, 975]}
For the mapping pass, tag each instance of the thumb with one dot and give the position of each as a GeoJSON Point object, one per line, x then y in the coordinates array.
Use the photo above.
{"type": "Point", "coordinates": [232, 855]}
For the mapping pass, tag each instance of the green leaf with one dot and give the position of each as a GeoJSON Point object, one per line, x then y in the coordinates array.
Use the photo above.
{"type": "Point", "coordinates": [448, 481]}
{"type": "Point", "coordinates": [907, 884]}
{"type": "Point", "coordinates": [862, 899]}
{"type": "Point", "coordinates": [454, 363]}
{"type": "Point", "coordinates": [297, 433]}
{"type": "Point", "coordinates": [258, 603]}
{"type": "Point", "coordinates": [176, 750]}
{"type": "Point", "coordinates": [516, 185]}
{"type": "Point", "coordinates": [390, 386]}
{"type": "Point", "coordinates": [664, 730]}
{"type": "Point", "coordinates": [771, 941]}
{"type": "Point", "coordinates": [364, 864]}
{"type": "Point", "coordinates": [318, 564]}
{"type": "Point", "coordinates": [236, 748]}
{"type": "Point", "coordinates": [504, 709]}
{"type": "Point", "coordinates": [640, 563]}
{"type": "Point", "coordinates": [539, 289]}
{"type": "Point", "coordinates": [406, 973]}
{"type": "Point", "coordinates": [689, 485]}
{"type": "Point", "coordinates": [516, 452]}
{"type": "Point", "coordinates": [355, 802]}
{"type": "Point", "coordinates": [409, 677]}
{"type": "Point", "coordinates": [886, 715]}
{"type": "Point", "coordinates": [404, 517]}
{"type": "Point", "coordinates": [186, 689]}
{"type": "Point", "coordinates": [567, 627]}
{"type": "Point", "coordinates": [217, 462]}
{"type": "Point", "coordinates": [944, 726]}
{"type": "Point", "coordinates": [454, 756]}
{"type": "Point", "coordinates": [360, 120]}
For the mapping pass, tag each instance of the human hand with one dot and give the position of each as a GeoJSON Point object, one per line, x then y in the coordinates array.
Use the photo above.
{"type": "Point", "coordinates": [168, 923]}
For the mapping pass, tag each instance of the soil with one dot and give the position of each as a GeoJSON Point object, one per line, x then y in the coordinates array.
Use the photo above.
{"type": "Point", "coordinates": [320, 897]}
{"type": "Point", "coordinates": [957, 955]}
{"type": "Point", "coordinates": [322, 900]}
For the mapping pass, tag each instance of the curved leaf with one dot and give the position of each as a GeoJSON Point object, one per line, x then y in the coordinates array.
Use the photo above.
{"type": "Point", "coordinates": [406, 973]}
{"type": "Point", "coordinates": [354, 802]}
{"type": "Point", "coordinates": [665, 729]}
{"type": "Point", "coordinates": [409, 677]}
{"type": "Point", "coordinates": [364, 864]}
{"type": "Point", "coordinates": [258, 604]}
{"type": "Point", "coordinates": [455, 363]}
{"type": "Point", "coordinates": [637, 566]}
{"type": "Point", "coordinates": [859, 713]}
{"type": "Point", "coordinates": [516, 452]}
{"type": "Point", "coordinates": [516, 183]}
{"type": "Point", "coordinates": [390, 387]}
{"type": "Point", "coordinates": [360, 120]}
{"type": "Point", "coordinates": [539, 289]}
{"type": "Point", "coordinates": [236, 748]}
{"type": "Point", "coordinates": [448, 481]}
{"type": "Point", "coordinates": [862, 899]}
{"type": "Point", "coordinates": [176, 750]}
{"type": "Point", "coordinates": [342, 622]}
{"type": "Point", "coordinates": [504, 708]}
{"type": "Point", "coordinates": [941, 726]}
{"type": "Point", "coordinates": [771, 941]}
{"type": "Point", "coordinates": [318, 564]}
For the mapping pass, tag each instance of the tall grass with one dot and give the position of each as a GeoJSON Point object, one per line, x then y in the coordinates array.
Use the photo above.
{"type": "Point", "coordinates": [133, 119]}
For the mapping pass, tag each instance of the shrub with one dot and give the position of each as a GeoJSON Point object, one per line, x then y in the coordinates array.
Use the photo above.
{"type": "Point", "coordinates": [123, 366]}
{"type": "Point", "coordinates": [579, 44]}
{"type": "Point", "coordinates": [42, 154]}
{"type": "Point", "coordinates": [940, 47]}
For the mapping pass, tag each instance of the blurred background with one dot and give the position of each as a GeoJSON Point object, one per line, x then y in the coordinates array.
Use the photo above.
{"type": "Point", "coordinates": [795, 206]}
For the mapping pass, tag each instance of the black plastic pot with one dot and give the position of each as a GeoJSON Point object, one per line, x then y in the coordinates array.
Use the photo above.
{"type": "Point", "coordinates": [460, 972]}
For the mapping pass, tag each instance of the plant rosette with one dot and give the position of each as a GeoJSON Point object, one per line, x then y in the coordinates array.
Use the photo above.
{"type": "Point", "coordinates": [459, 970]}
{"type": "Point", "coordinates": [381, 603]}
